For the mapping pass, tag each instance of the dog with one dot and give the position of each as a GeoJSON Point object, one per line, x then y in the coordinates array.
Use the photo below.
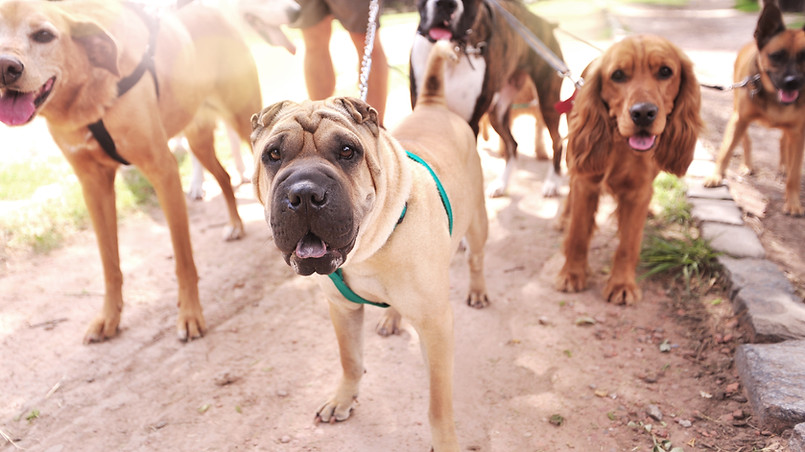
{"type": "Point", "coordinates": [77, 65]}
{"type": "Point", "coordinates": [342, 198]}
{"type": "Point", "coordinates": [774, 69]}
{"type": "Point", "coordinates": [494, 58]}
{"type": "Point", "coordinates": [636, 115]}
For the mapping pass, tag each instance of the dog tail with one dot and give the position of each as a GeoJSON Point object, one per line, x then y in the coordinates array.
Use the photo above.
{"type": "Point", "coordinates": [433, 87]}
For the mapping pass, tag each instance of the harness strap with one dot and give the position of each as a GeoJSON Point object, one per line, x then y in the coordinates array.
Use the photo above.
{"type": "Point", "coordinates": [337, 277]}
{"type": "Point", "coordinates": [98, 129]}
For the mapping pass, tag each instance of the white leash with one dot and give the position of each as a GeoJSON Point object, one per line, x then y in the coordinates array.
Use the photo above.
{"type": "Point", "coordinates": [366, 62]}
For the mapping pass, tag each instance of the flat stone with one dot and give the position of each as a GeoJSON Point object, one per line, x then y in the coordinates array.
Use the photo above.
{"type": "Point", "coordinates": [773, 376]}
{"type": "Point", "coordinates": [696, 189]}
{"type": "Point", "coordinates": [797, 441]}
{"type": "Point", "coordinates": [716, 210]}
{"type": "Point", "coordinates": [749, 272]}
{"type": "Point", "coordinates": [736, 241]}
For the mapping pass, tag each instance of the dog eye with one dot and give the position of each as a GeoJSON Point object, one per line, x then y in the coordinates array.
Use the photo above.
{"type": "Point", "coordinates": [778, 56]}
{"type": "Point", "coordinates": [346, 153]}
{"type": "Point", "coordinates": [43, 36]}
{"type": "Point", "coordinates": [618, 76]}
{"type": "Point", "coordinates": [272, 155]}
{"type": "Point", "coordinates": [665, 73]}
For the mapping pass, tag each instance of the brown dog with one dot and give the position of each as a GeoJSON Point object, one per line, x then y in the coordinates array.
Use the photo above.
{"type": "Point", "coordinates": [77, 64]}
{"type": "Point", "coordinates": [490, 73]}
{"type": "Point", "coordinates": [774, 68]}
{"type": "Point", "coordinates": [342, 198]}
{"type": "Point", "coordinates": [636, 115]}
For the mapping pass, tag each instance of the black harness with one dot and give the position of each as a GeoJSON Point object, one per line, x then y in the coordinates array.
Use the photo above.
{"type": "Point", "coordinates": [98, 129]}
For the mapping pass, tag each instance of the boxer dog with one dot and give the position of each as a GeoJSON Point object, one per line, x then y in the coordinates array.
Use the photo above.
{"type": "Point", "coordinates": [493, 61]}
{"type": "Point", "coordinates": [377, 215]}
{"type": "Point", "coordinates": [774, 68]}
{"type": "Point", "coordinates": [114, 84]}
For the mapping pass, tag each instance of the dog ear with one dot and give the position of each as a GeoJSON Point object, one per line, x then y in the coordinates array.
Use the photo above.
{"type": "Point", "coordinates": [589, 135]}
{"type": "Point", "coordinates": [769, 24]}
{"type": "Point", "coordinates": [265, 118]}
{"type": "Point", "coordinates": [677, 144]}
{"type": "Point", "coordinates": [100, 47]}
{"type": "Point", "coordinates": [361, 112]}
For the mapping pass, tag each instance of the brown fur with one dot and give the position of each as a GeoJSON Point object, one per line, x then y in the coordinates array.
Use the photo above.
{"type": "Point", "coordinates": [379, 186]}
{"type": "Point", "coordinates": [759, 103]}
{"type": "Point", "coordinates": [600, 157]}
{"type": "Point", "coordinates": [203, 69]}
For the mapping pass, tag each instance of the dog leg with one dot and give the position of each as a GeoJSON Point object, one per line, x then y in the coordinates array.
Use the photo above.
{"type": "Point", "coordinates": [795, 142]}
{"type": "Point", "coordinates": [476, 240]}
{"type": "Point", "coordinates": [746, 166]}
{"type": "Point", "coordinates": [196, 192]}
{"type": "Point", "coordinates": [389, 323]}
{"type": "Point", "coordinates": [237, 156]}
{"type": "Point", "coordinates": [500, 119]}
{"type": "Point", "coordinates": [632, 211]}
{"type": "Point", "coordinates": [347, 318]}
{"type": "Point", "coordinates": [539, 136]}
{"type": "Point", "coordinates": [784, 155]}
{"type": "Point", "coordinates": [201, 136]}
{"type": "Point", "coordinates": [736, 128]}
{"type": "Point", "coordinates": [97, 183]}
{"type": "Point", "coordinates": [582, 205]}
{"type": "Point", "coordinates": [435, 330]}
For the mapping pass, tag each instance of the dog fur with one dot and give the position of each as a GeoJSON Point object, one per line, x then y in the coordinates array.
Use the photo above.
{"type": "Point", "coordinates": [334, 184]}
{"type": "Point", "coordinates": [636, 115]}
{"type": "Point", "coordinates": [776, 101]}
{"type": "Point", "coordinates": [69, 56]}
{"type": "Point", "coordinates": [492, 77]}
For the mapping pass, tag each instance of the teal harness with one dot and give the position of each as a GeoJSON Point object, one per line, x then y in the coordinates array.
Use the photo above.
{"type": "Point", "coordinates": [337, 277]}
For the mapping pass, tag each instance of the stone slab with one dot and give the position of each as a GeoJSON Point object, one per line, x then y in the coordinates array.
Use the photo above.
{"type": "Point", "coordinates": [773, 376]}
{"type": "Point", "coordinates": [696, 189]}
{"type": "Point", "coordinates": [754, 272]}
{"type": "Point", "coordinates": [735, 241]}
{"type": "Point", "coordinates": [716, 210]}
{"type": "Point", "coordinates": [797, 441]}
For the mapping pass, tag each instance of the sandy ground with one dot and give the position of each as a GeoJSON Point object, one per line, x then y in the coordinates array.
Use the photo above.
{"type": "Point", "coordinates": [269, 358]}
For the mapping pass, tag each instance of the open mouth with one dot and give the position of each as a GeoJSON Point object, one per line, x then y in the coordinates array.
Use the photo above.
{"type": "Point", "coordinates": [17, 108]}
{"type": "Point", "coordinates": [642, 141]}
{"type": "Point", "coordinates": [313, 255]}
{"type": "Point", "coordinates": [787, 97]}
{"type": "Point", "coordinates": [441, 32]}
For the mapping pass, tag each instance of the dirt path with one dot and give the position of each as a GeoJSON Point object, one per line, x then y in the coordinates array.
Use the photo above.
{"type": "Point", "coordinates": [255, 380]}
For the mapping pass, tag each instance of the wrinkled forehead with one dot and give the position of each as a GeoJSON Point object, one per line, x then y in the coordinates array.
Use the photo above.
{"type": "Point", "coordinates": [320, 119]}
{"type": "Point", "coordinates": [641, 54]}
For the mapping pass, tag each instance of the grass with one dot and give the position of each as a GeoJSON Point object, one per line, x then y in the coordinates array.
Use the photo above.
{"type": "Point", "coordinates": [672, 246]}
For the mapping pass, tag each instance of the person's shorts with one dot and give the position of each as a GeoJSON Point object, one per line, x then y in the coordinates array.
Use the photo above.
{"type": "Point", "coordinates": [353, 14]}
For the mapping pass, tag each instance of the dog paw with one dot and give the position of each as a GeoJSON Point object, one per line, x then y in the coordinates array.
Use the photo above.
{"type": "Point", "coordinates": [389, 324]}
{"type": "Point", "coordinates": [622, 293]}
{"type": "Point", "coordinates": [549, 189]}
{"type": "Point", "coordinates": [190, 326]}
{"type": "Point", "coordinates": [794, 209]}
{"type": "Point", "coordinates": [744, 170]}
{"type": "Point", "coordinates": [101, 329]}
{"type": "Point", "coordinates": [234, 233]}
{"type": "Point", "coordinates": [496, 190]}
{"type": "Point", "coordinates": [333, 411]}
{"type": "Point", "coordinates": [195, 193]}
{"type": "Point", "coordinates": [570, 280]}
{"type": "Point", "coordinates": [714, 180]}
{"type": "Point", "coordinates": [477, 300]}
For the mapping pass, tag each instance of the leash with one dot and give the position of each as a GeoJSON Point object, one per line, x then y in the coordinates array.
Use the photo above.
{"type": "Point", "coordinates": [337, 277]}
{"type": "Point", "coordinates": [753, 79]}
{"type": "Point", "coordinates": [538, 46]}
{"type": "Point", "coordinates": [369, 45]}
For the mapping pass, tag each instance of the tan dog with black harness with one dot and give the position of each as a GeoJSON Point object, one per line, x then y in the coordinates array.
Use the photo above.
{"type": "Point", "coordinates": [773, 71]}
{"type": "Point", "coordinates": [114, 83]}
{"type": "Point", "coordinates": [343, 200]}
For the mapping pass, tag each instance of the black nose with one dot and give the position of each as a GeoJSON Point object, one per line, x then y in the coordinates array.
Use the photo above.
{"type": "Point", "coordinates": [792, 82]}
{"type": "Point", "coordinates": [643, 114]}
{"type": "Point", "coordinates": [10, 69]}
{"type": "Point", "coordinates": [305, 194]}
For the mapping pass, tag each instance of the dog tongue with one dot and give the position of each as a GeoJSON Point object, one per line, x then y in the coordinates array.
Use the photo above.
{"type": "Point", "coordinates": [310, 247]}
{"type": "Point", "coordinates": [642, 142]}
{"type": "Point", "coordinates": [16, 108]}
{"type": "Point", "coordinates": [787, 97]}
{"type": "Point", "coordinates": [440, 33]}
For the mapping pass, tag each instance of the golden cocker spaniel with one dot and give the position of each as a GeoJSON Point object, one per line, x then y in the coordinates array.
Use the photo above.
{"type": "Point", "coordinates": [636, 115]}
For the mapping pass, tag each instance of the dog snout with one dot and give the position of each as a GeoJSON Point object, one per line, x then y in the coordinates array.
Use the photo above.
{"type": "Point", "coordinates": [10, 69]}
{"type": "Point", "coordinates": [306, 195]}
{"type": "Point", "coordinates": [792, 82]}
{"type": "Point", "coordinates": [643, 113]}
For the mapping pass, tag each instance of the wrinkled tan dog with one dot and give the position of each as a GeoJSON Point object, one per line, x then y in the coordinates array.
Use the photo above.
{"type": "Point", "coordinates": [343, 199]}
{"type": "Point", "coordinates": [114, 83]}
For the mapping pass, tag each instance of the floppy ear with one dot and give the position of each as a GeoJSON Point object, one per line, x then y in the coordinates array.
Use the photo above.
{"type": "Point", "coordinates": [261, 122]}
{"type": "Point", "coordinates": [100, 47]}
{"type": "Point", "coordinates": [361, 112]}
{"type": "Point", "coordinates": [769, 24]}
{"type": "Point", "coordinates": [676, 145]}
{"type": "Point", "coordinates": [589, 135]}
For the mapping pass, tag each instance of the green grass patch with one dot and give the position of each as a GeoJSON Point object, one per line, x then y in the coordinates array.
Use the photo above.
{"type": "Point", "coordinates": [748, 6]}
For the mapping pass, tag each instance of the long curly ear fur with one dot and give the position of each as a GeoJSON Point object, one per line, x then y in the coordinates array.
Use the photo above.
{"type": "Point", "coordinates": [589, 131]}
{"type": "Point", "coordinates": [676, 145]}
